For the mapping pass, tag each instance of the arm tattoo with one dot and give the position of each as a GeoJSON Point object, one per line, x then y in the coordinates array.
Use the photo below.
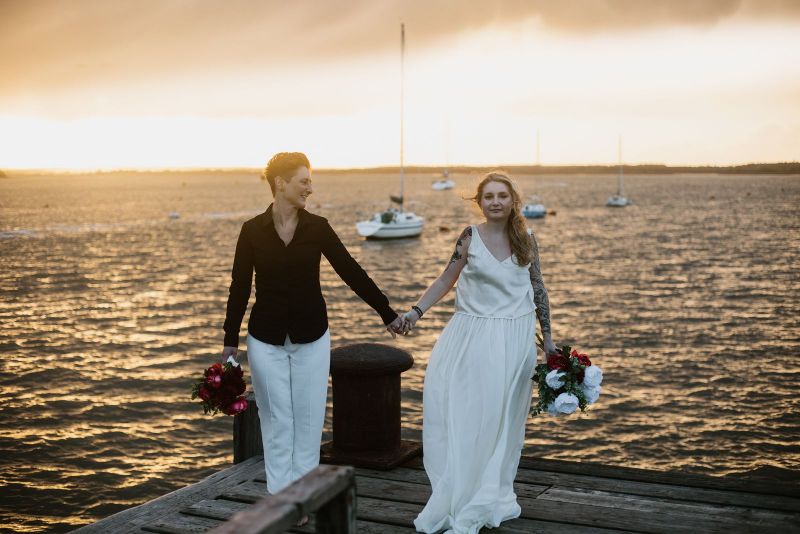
{"type": "Point", "coordinates": [539, 291]}
{"type": "Point", "coordinates": [456, 253]}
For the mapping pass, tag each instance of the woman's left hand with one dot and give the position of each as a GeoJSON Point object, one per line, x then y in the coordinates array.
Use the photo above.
{"type": "Point", "coordinates": [549, 346]}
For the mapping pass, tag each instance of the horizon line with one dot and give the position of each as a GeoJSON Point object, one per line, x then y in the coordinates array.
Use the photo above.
{"type": "Point", "coordinates": [390, 168]}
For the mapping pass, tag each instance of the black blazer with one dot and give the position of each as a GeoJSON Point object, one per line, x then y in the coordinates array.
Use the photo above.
{"type": "Point", "coordinates": [288, 294]}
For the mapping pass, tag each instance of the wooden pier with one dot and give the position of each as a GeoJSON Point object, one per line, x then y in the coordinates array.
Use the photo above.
{"type": "Point", "coordinates": [555, 496]}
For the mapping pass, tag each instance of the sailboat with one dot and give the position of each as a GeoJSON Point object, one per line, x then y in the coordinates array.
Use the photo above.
{"type": "Point", "coordinates": [394, 222]}
{"type": "Point", "coordinates": [535, 209]}
{"type": "Point", "coordinates": [444, 182]}
{"type": "Point", "coordinates": [619, 200]}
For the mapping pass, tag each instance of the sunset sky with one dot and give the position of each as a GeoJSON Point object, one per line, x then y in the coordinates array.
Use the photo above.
{"type": "Point", "coordinates": [90, 84]}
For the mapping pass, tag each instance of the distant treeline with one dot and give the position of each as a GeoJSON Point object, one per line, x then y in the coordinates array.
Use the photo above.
{"type": "Point", "coordinates": [790, 167]}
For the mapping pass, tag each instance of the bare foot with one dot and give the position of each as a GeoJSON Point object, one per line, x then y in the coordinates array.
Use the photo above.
{"type": "Point", "coordinates": [303, 521]}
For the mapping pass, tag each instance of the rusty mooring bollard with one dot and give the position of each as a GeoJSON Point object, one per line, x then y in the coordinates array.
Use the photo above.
{"type": "Point", "coordinates": [366, 407]}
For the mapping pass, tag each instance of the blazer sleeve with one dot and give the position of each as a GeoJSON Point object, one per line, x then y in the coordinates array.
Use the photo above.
{"type": "Point", "coordinates": [239, 292]}
{"type": "Point", "coordinates": [353, 275]}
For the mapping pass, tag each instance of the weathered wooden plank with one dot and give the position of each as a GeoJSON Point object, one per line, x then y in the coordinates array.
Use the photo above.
{"type": "Point", "coordinates": [657, 520]}
{"type": "Point", "coordinates": [532, 526]}
{"type": "Point", "coordinates": [319, 486]}
{"type": "Point", "coordinates": [325, 487]}
{"type": "Point", "coordinates": [732, 516]}
{"type": "Point", "coordinates": [669, 477]}
{"type": "Point", "coordinates": [249, 491]}
{"type": "Point", "coordinates": [176, 523]}
{"type": "Point", "coordinates": [215, 508]}
{"type": "Point", "coordinates": [270, 515]}
{"type": "Point", "coordinates": [651, 489]}
{"type": "Point", "coordinates": [338, 515]}
{"type": "Point", "coordinates": [130, 520]}
{"type": "Point", "coordinates": [393, 490]}
{"type": "Point", "coordinates": [399, 513]}
{"type": "Point", "coordinates": [362, 527]}
{"type": "Point", "coordinates": [368, 527]}
{"type": "Point", "coordinates": [402, 474]}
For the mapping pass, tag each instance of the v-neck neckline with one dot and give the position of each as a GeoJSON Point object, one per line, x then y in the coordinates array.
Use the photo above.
{"type": "Point", "coordinates": [477, 231]}
{"type": "Point", "coordinates": [270, 213]}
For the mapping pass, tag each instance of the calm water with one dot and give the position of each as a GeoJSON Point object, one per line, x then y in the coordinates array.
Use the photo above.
{"type": "Point", "coordinates": [689, 300]}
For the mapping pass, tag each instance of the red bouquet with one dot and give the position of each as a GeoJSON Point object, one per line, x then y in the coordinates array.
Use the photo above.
{"type": "Point", "coordinates": [221, 388]}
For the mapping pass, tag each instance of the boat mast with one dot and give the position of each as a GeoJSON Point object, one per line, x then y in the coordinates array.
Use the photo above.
{"type": "Point", "coordinates": [402, 110]}
{"type": "Point", "coordinates": [619, 157]}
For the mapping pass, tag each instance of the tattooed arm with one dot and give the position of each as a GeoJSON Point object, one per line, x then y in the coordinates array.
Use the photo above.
{"type": "Point", "coordinates": [540, 297]}
{"type": "Point", "coordinates": [445, 282]}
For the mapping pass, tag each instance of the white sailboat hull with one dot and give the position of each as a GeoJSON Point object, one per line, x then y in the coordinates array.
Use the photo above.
{"type": "Point", "coordinates": [617, 201]}
{"type": "Point", "coordinates": [534, 211]}
{"type": "Point", "coordinates": [441, 185]}
{"type": "Point", "coordinates": [403, 224]}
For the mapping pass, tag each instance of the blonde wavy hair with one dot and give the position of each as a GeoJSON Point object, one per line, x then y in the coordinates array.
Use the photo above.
{"type": "Point", "coordinates": [517, 229]}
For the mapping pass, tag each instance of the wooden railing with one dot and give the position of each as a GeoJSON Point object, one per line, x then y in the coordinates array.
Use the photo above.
{"type": "Point", "coordinates": [328, 490]}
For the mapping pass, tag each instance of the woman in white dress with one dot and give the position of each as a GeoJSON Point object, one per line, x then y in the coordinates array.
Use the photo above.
{"type": "Point", "coordinates": [478, 383]}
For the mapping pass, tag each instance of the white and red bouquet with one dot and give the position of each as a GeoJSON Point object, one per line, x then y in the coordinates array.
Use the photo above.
{"type": "Point", "coordinates": [221, 388]}
{"type": "Point", "coordinates": [567, 381]}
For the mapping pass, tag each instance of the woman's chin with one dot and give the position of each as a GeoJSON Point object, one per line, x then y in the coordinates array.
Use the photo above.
{"type": "Point", "coordinates": [495, 217]}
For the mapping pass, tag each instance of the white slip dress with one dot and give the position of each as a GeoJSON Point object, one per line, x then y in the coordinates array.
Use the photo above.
{"type": "Point", "coordinates": [477, 395]}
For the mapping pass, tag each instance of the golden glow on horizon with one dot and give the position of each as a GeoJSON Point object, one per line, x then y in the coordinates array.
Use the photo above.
{"type": "Point", "coordinates": [728, 94]}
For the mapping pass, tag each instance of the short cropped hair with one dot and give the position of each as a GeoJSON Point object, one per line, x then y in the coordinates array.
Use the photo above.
{"type": "Point", "coordinates": [284, 164]}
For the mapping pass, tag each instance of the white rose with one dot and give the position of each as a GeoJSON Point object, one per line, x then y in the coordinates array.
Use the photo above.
{"type": "Point", "coordinates": [591, 393]}
{"type": "Point", "coordinates": [566, 403]}
{"type": "Point", "coordinates": [592, 376]}
{"type": "Point", "coordinates": [553, 379]}
{"type": "Point", "coordinates": [551, 409]}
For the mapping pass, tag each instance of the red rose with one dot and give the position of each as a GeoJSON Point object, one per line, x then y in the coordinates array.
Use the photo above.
{"type": "Point", "coordinates": [557, 361]}
{"type": "Point", "coordinates": [214, 381]}
{"type": "Point", "coordinates": [583, 359]}
{"type": "Point", "coordinates": [234, 407]}
{"type": "Point", "coordinates": [239, 405]}
{"type": "Point", "coordinates": [204, 394]}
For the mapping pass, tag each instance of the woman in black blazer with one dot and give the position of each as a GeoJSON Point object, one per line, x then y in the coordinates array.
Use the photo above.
{"type": "Point", "coordinates": [288, 343]}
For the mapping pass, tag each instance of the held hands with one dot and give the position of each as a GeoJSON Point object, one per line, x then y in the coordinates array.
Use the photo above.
{"type": "Point", "coordinates": [403, 323]}
{"type": "Point", "coordinates": [410, 319]}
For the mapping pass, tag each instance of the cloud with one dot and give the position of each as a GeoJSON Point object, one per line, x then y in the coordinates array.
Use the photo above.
{"type": "Point", "coordinates": [53, 44]}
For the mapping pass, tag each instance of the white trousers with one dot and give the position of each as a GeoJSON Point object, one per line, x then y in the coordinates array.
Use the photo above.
{"type": "Point", "coordinates": [290, 383]}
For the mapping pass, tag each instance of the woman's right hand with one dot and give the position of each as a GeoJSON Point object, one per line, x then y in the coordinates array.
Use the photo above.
{"type": "Point", "coordinates": [229, 351]}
